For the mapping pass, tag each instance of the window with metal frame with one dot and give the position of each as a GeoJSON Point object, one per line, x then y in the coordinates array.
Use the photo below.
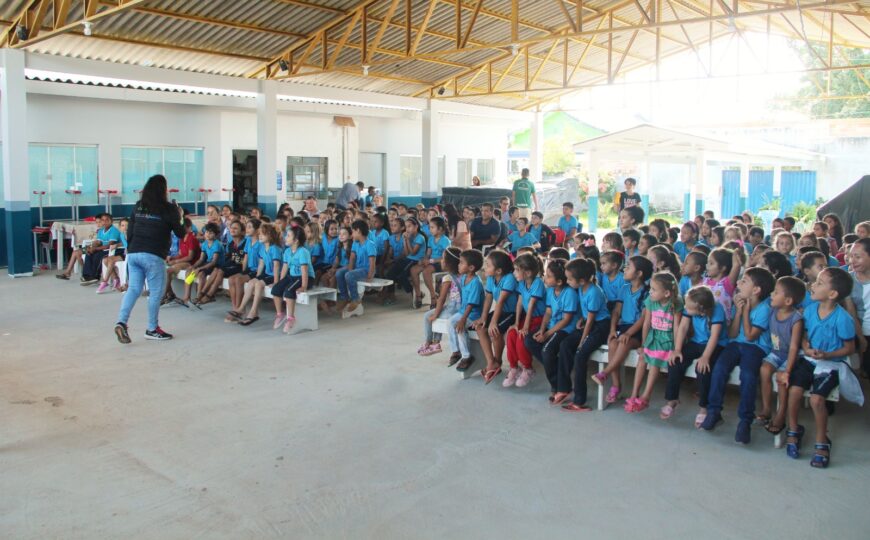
{"type": "Point", "coordinates": [182, 167]}
{"type": "Point", "coordinates": [57, 168]}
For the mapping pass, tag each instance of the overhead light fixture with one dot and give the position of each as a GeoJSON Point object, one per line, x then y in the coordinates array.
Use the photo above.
{"type": "Point", "coordinates": [515, 49]}
{"type": "Point", "coordinates": [441, 91]}
{"type": "Point", "coordinates": [365, 70]}
{"type": "Point", "coordinates": [283, 65]}
{"type": "Point", "coordinates": [88, 27]}
{"type": "Point", "coordinates": [21, 32]}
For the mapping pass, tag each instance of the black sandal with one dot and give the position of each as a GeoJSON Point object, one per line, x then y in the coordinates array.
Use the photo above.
{"type": "Point", "coordinates": [465, 364]}
{"type": "Point", "coordinates": [248, 321]}
{"type": "Point", "coordinates": [774, 430]}
{"type": "Point", "coordinates": [455, 357]}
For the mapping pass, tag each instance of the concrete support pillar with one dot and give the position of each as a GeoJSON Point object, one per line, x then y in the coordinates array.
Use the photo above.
{"type": "Point", "coordinates": [700, 181]}
{"type": "Point", "coordinates": [536, 148]}
{"type": "Point", "coordinates": [592, 193]}
{"type": "Point", "coordinates": [644, 184]}
{"type": "Point", "coordinates": [777, 186]}
{"type": "Point", "coordinates": [744, 188]}
{"type": "Point", "coordinates": [268, 167]}
{"type": "Point", "coordinates": [16, 175]}
{"type": "Point", "coordinates": [431, 128]}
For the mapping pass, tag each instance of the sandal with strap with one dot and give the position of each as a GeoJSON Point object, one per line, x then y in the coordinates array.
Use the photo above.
{"type": "Point", "coordinates": [640, 404]}
{"type": "Point", "coordinates": [612, 394]}
{"type": "Point", "coordinates": [666, 412]}
{"type": "Point", "coordinates": [573, 407]}
{"type": "Point", "coordinates": [490, 374]}
{"type": "Point", "coordinates": [560, 397]}
{"type": "Point", "coordinates": [774, 430]}
{"type": "Point", "coordinates": [793, 449]}
{"type": "Point", "coordinates": [821, 461]}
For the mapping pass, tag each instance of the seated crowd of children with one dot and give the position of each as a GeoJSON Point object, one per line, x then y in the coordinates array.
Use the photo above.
{"type": "Point", "coordinates": [787, 308]}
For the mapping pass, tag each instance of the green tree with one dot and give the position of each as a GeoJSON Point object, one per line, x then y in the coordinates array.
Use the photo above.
{"type": "Point", "coordinates": [558, 155]}
{"type": "Point", "coordinates": [851, 92]}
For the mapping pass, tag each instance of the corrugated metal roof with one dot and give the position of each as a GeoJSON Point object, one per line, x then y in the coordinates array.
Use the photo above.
{"type": "Point", "coordinates": [236, 38]}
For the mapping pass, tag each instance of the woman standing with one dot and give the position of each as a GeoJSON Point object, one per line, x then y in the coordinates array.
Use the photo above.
{"type": "Point", "coordinates": [148, 237]}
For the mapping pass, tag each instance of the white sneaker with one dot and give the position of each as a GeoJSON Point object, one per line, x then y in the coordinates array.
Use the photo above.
{"type": "Point", "coordinates": [511, 378]}
{"type": "Point", "coordinates": [525, 377]}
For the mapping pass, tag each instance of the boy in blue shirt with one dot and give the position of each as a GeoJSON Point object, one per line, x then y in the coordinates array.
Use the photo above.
{"type": "Point", "coordinates": [471, 291]}
{"type": "Point", "coordinates": [568, 223]}
{"type": "Point", "coordinates": [750, 335]}
{"type": "Point", "coordinates": [630, 242]}
{"type": "Point", "coordinates": [522, 237]}
{"type": "Point", "coordinates": [828, 341]}
{"type": "Point", "coordinates": [610, 277]}
{"type": "Point", "coordinates": [364, 258]}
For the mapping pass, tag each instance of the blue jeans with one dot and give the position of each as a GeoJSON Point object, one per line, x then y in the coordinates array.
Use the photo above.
{"type": "Point", "coordinates": [347, 280]}
{"type": "Point", "coordinates": [749, 358]}
{"type": "Point", "coordinates": [142, 266]}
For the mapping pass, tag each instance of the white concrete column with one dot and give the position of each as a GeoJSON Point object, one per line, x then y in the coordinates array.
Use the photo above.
{"type": "Point", "coordinates": [777, 181]}
{"type": "Point", "coordinates": [592, 191]}
{"type": "Point", "coordinates": [644, 183]}
{"type": "Point", "coordinates": [268, 165]}
{"type": "Point", "coordinates": [16, 173]}
{"type": "Point", "coordinates": [536, 148]}
{"type": "Point", "coordinates": [699, 184]}
{"type": "Point", "coordinates": [744, 188]}
{"type": "Point", "coordinates": [431, 127]}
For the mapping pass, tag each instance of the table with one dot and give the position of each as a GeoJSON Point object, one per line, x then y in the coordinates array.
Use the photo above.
{"type": "Point", "coordinates": [77, 231]}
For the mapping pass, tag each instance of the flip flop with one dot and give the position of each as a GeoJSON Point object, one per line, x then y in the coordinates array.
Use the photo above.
{"type": "Point", "coordinates": [488, 376]}
{"type": "Point", "coordinates": [248, 321]}
{"type": "Point", "coordinates": [560, 397]}
{"type": "Point", "coordinates": [573, 407]}
{"type": "Point", "coordinates": [699, 419]}
{"type": "Point", "coordinates": [666, 412]}
{"type": "Point", "coordinates": [773, 430]}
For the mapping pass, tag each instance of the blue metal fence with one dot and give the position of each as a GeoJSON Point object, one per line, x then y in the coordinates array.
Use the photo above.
{"type": "Point", "coordinates": [730, 193]}
{"type": "Point", "coordinates": [797, 186]}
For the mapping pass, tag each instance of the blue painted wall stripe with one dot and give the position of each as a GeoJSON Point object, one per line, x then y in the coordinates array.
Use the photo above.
{"type": "Point", "coordinates": [19, 242]}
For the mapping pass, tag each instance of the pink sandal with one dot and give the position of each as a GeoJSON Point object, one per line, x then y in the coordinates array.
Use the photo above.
{"type": "Point", "coordinates": [289, 324]}
{"type": "Point", "coordinates": [279, 320]}
{"type": "Point", "coordinates": [612, 394]}
{"type": "Point", "coordinates": [666, 412]}
{"type": "Point", "coordinates": [599, 378]}
{"type": "Point", "coordinates": [640, 404]}
{"type": "Point", "coordinates": [629, 404]}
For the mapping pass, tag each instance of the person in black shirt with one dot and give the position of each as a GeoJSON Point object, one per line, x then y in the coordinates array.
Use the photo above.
{"type": "Point", "coordinates": [485, 229]}
{"type": "Point", "coordinates": [154, 219]}
{"type": "Point", "coordinates": [627, 198]}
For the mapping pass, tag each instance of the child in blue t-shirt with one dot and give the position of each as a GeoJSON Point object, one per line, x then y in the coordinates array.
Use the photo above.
{"type": "Point", "coordinates": [828, 341]}
{"type": "Point", "coordinates": [701, 336]}
{"type": "Point", "coordinates": [688, 240]}
{"type": "Point", "coordinates": [363, 259]}
{"type": "Point", "coordinates": [414, 249]}
{"type": "Point", "coordinates": [568, 223]}
{"type": "Point", "coordinates": [590, 333]}
{"type": "Point", "coordinates": [269, 264]}
{"type": "Point", "coordinates": [210, 258]}
{"type": "Point", "coordinates": [626, 322]}
{"type": "Point", "coordinates": [471, 309]}
{"type": "Point", "coordinates": [296, 274]}
{"type": "Point", "coordinates": [522, 237]}
{"type": "Point", "coordinates": [611, 279]}
{"type": "Point", "coordinates": [556, 325]}
{"type": "Point", "coordinates": [530, 308]}
{"type": "Point", "coordinates": [431, 261]}
{"type": "Point", "coordinates": [786, 331]}
{"type": "Point", "coordinates": [750, 343]}
{"type": "Point", "coordinates": [500, 305]}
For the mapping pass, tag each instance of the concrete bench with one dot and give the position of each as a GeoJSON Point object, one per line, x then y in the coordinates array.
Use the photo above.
{"type": "Point", "coordinates": [600, 356]}
{"type": "Point", "coordinates": [442, 326]}
{"type": "Point", "coordinates": [306, 303]}
{"type": "Point", "coordinates": [374, 284]}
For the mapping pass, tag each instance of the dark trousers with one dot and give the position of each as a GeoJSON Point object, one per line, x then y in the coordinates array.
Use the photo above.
{"type": "Point", "coordinates": [865, 360]}
{"type": "Point", "coordinates": [548, 354]}
{"type": "Point", "coordinates": [575, 355]}
{"type": "Point", "coordinates": [400, 273]}
{"type": "Point", "coordinates": [749, 358]}
{"type": "Point", "coordinates": [93, 265]}
{"type": "Point", "coordinates": [691, 352]}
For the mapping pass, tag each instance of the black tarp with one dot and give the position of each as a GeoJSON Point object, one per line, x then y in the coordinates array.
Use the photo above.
{"type": "Point", "coordinates": [551, 195]}
{"type": "Point", "coordinates": [852, 204]}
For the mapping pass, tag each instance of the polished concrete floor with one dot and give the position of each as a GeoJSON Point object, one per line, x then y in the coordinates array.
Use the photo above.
{"type": "Point", "coordinates": [231, 432]}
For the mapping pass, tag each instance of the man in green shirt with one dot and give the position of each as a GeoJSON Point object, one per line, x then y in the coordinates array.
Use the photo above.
{"type": "Point", "coordinates": [524, 194]}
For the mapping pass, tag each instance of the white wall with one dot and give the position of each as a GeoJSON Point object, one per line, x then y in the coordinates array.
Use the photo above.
{"type": "Point", "coordinates": [112, 118]}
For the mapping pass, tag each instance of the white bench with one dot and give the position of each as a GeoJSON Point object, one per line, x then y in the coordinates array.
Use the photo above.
{"type": "Point", "coordinates": [374, 284]}
{"type": "Point", "coordinates": [600, 356]}
{"type": "Point", "coordinates": [442, 326]}
{"type": "Point", "coordinates": [306, 303]}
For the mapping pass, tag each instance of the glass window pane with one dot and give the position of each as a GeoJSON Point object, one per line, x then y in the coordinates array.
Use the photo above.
{"type": "Point", "coordinates": [134, 172]}
{"type": "Point", "coordinates": [485, 169]}
{"type": "Point", "coordinates": [173, 164]}
{"type": "Point", "coordinates": [37, 157]}
{"type": "Point", "coordinates": [87, 173]}
{"type": "Point", "coordinates": [193, 170]}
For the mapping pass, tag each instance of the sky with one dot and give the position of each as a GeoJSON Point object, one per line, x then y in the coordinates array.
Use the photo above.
{"type": "Point", "coordinates": [701, 102]}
